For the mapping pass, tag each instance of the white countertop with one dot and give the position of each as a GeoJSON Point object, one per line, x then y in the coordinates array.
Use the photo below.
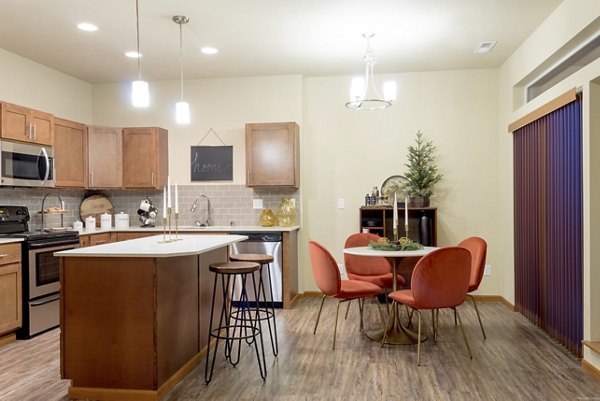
{"type": "Point", "coordinates": [193, 229]}
{"type": "Point", "coordinates": [152, 247]}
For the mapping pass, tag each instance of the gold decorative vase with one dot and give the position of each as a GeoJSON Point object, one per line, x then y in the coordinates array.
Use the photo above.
{"type": "Point", "coordinates": [267, 218]}
{"type": "Point", "coordinates": [287, 213]}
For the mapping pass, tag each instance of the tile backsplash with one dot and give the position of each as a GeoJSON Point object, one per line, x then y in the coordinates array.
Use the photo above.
{"type": "Point", "coordinates": [230, 204]}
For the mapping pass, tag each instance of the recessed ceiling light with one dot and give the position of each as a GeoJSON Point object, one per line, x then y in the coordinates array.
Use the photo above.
{"type": "Point", "coordinates": [485, 47]}
{"type": "Point", "coordinates": [209, 50]}
{"type": "Point", "coordinates": [133, 54]}
{"type": "Point", "coordinates": [86, 26]}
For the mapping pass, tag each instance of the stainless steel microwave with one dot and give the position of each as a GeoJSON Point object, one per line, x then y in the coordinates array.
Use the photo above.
{"type": "Point", "coordinates": [26, 165]}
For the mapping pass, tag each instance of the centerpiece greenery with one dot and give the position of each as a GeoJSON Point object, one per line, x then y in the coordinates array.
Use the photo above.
{"type": "Point", "coordinates": [422, 172]}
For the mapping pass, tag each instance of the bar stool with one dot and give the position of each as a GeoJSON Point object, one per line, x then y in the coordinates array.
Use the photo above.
{"type": "Point", "coordinates": [265, 314]}
{"type": "Point", "coordinates": [242, 327]}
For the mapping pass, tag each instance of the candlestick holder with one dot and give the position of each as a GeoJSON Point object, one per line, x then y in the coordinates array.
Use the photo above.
{"type": "Point", "coordinates": [176, 226]}
{"type": "Point", "coordinates": [164, 221]}
{"type": "Point", "coordinates": [406, 229]}
{"type": "Point", "coordinates": [167, 227]}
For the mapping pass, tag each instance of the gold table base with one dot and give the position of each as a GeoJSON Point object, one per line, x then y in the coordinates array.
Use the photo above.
{"type": "Point", "coordinates": [396, 333]}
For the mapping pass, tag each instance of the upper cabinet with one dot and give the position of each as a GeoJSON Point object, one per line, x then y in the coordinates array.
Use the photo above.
{"type": "Point", "coordinates": [145, 157]}
{"type": "Point", "coordinates": [70, 154]}
{"type": "Point", "coordinates": [272, 155]}
{"type": "Point", "coordinates": [26, 125]}
{"type": "Point", "coordinates": [104, 157]}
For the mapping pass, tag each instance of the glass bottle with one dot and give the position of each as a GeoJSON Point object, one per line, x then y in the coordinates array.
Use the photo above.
{"type": "Point", "coordinates": [267, 218]}
{"type": "Point", "coordinates": [287, 214]}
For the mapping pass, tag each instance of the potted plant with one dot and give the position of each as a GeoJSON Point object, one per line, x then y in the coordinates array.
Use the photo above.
{"type": "Point", "coordinates": [422, 172]}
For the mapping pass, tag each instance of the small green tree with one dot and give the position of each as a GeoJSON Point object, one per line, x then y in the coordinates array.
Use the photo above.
{"type": "Point", "coordinates": [422, 173]}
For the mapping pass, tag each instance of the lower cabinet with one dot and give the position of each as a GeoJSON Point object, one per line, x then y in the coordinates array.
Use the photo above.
{"type": "Point", "coordinates": [96, 239]}
{"type": "Point", "coordinates": [10, 288]}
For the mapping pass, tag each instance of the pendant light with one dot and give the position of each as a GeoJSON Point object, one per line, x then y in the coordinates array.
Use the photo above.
{"type": "Point", "coordinates": [139, 89]}
{"type": "Point", "coordinates": [182, 108]}
{"type": "Point", "coordinates": [363, 93]}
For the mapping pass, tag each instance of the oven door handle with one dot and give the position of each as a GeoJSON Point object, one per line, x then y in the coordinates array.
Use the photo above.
{"type": "Point", "coordinates": [45, 300]}
{"type": "Point", "coordinates": [34, 245]}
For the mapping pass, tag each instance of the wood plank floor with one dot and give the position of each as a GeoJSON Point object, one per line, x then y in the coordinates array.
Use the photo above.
{"type": "Point", "coordinates": [516, 362]}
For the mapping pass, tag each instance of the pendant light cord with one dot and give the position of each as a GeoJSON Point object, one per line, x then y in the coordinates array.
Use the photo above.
{"type": "Point", "coordinates": [139, 55]}
{"type": "Point", "coordinates": [181, 58]}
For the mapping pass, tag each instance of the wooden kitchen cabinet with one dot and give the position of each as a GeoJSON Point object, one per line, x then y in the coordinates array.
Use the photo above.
{"type": "Point", "coordinates": [105, 167]}
{"type": "Point", "coordinates": [96, 239]}
{"type": "Point", "coordinates": [272, 155]}
{"type": "Point", "coordinates": [26, 125]}
{"type": "Point", "coordinates": [70, 154]}
{"type": "Point", "coordinates": [145, 157]}
{"type": "Point", "coordinates": [10, 288]}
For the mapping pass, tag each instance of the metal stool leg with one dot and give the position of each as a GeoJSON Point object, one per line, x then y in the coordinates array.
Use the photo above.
{"type": "Point", "coordinates": [274, 342]}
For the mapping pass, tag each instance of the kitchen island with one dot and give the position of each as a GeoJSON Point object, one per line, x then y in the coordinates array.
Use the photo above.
{"type": "Point", "coordinates": [134, 314]}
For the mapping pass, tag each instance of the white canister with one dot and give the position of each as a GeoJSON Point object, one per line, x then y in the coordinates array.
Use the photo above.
{"type": "Point", "coordinates": [105, 221]}
{"type": "Point", "coordinates": [78, 226]}
{"type": "Point", "coordinates": [90, 223]}
{"type": "Point", "coordinates": [121, 220]}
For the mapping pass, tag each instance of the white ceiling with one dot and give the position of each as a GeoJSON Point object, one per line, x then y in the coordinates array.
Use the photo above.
{"type": "Point", "coordinates": [265, 37]}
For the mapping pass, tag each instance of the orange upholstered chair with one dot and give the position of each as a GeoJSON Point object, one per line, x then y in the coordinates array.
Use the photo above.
{"type": "Point", "coordinates": [478, 248]}
{"type": "Point", "coordinates": [327, 276]}
{"type": "Point", "coordinates": [440, 279]}
{"type": "Point", "coordinates": [374, 270]}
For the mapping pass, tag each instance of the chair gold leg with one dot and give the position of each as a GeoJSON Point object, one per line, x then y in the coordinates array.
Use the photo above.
{"type": "Point", "coordinates": [409, 314]}
{"type": "Point", "coordinates": [319, 315]}
{"type": "Point", "coordinates": [463, 333]}
{"type": "Point", "coordinates": [387, 325]}
{"type": "Point", "coordinates": [347, 310]}
{"type": "Point", "coordinates": [433, 324]}
{"type": "Point", "coordinates": [379, 309]}
{"type": "Point", "coordinates": [419, 339]}
{"type": "Point", "coordinates": [337, 312]}
{"type": "Point", "coordinates": [478, 316]}
{"type": "Point", "coordinates": [360, 311]}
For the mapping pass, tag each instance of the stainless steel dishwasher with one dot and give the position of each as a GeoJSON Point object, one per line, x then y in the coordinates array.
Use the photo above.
{"type": "Point", "coordinates": [267, 244]}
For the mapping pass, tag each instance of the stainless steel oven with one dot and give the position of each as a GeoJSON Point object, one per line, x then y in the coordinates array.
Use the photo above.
{"type": "Point", "coordinates": [41, 281]}
{"type": "Point", "coordinates": [28, 165]}
{"type": "Point", "coordinates": [39, 267]}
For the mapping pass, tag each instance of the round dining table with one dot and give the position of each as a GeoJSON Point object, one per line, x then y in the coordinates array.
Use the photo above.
{"type": "Point", "coordinates": [396, 333]}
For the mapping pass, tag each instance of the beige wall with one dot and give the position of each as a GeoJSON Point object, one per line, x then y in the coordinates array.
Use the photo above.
{"type": "Point", "coordinates": [347, 152]}
{"type": "Point", "coordinates": [225, 105]}
{"type": "Point", "coordinates": [33, 85]}
{"type": "Point", "coordinates": [570, 20]}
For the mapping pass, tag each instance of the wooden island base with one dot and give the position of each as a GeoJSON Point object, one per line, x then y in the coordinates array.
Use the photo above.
{"type": "Point", "coordinates": [133, 327]}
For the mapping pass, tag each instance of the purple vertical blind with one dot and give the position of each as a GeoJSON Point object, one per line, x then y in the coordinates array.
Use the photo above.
{"type": "Point", "coordinates": [548, 224]}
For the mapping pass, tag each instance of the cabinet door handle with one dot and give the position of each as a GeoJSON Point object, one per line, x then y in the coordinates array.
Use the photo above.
{"type": "Point", "coordinates": [34, 131]}
{"type": "Point", "coordinates": [99, 242]}
{"type": "Point", "coordinates": [28, 130]}
{"type": "Point", "coordinates": [4, 255]}
{"type": "Point", "coordinates": [153, 178]}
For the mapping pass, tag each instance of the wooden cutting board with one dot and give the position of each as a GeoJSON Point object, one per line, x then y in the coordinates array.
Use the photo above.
{"type": "Point", "coordinates": [94, 206]}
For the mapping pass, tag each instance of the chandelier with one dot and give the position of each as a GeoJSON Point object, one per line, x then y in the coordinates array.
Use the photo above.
{"type": "Point", "coordinates": [363, 93]}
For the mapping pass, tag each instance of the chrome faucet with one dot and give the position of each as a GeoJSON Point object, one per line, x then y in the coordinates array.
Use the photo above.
{"type": "Point", "coordinates": [208, 221]}
{"type": "Point", "coordinates": [60, 207]}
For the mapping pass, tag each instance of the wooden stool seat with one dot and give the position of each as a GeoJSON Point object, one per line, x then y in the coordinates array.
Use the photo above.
{"type": "Point", "coordinates": [252, 257]}
{"type": "Point", "coordinates": [233, 267]}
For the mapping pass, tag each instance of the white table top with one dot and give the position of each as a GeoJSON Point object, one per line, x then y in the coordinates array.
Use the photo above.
{"type": "Point", "coordinates": [366, 251]}
{"type": "Point", "coordinates": [152, 247]}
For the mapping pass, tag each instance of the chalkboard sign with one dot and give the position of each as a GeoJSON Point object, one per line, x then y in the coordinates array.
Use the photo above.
{"type": "Point", "coordinates": [212, 163]}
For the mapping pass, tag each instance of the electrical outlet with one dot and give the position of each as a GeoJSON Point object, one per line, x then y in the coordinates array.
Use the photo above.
{"type": "Point", "coordinates": [488, 270]}
{"type": "Point", "coordinates": [341, 203]}
{"type": "Point", "coordinates": [257, 203]}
